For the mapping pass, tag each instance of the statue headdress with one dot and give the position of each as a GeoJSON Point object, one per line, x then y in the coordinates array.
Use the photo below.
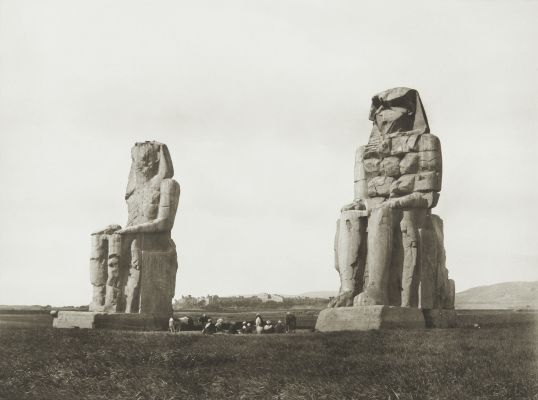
{"type": "Point", "coordinates": [165, 170]}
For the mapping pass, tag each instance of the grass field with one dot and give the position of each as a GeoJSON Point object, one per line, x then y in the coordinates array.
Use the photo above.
{"type": "Point", "coordinates": [497, 361]}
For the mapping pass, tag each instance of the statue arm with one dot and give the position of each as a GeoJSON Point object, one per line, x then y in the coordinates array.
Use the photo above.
{"type": "Point", "coordinates": [169, 200]}
{"type": "Point", "coordinates": [413, 200]}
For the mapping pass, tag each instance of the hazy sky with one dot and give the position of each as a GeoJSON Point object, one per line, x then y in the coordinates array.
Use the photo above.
{"type": "Point", "coordinates": [262, 104]}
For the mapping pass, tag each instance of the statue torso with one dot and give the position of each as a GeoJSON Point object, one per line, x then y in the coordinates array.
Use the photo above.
{"type": "Point", "coordinates": [400, 164]}
{"type": "Point", "coordinates": [143, 203]}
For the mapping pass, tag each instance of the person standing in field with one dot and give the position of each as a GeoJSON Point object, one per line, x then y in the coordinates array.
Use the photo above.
{"type": "Point", "coordinates": [291, 322]}
{"type": "Point", "coordinates": [259, 324]}
{"type": "Point", "coordinates": [171, 326]}
{"type": "Point", "coordinates": [203, 320]}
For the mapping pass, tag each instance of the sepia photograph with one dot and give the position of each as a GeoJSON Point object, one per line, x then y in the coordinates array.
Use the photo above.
{"type": "Point", "coordinates": [268, 199]}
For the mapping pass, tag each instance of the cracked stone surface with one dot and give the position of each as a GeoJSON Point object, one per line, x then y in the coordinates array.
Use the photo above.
{"type": "Point", "coordinates": [133, 270]}
{"type": "Point", "coordinates": [391, 253]}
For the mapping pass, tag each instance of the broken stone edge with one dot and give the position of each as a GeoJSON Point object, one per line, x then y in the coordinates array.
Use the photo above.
{"type": "Point", "coordinates": [116, 321]}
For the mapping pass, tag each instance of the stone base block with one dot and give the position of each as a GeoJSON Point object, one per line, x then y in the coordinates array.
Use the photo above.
{"type": "Point", "coordinates": [440, 318]}
{"type": "Point", "coordinates": [99, 320]}
{"type": "Point", "coordinates": [363, 318]}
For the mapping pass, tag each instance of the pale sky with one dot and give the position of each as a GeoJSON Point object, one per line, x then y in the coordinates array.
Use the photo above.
{"type": "Point", "coordinates": [262, 104]}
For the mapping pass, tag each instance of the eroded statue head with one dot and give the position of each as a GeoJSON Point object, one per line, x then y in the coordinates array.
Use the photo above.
{"type": "Point", "coordinates": [398, 110]}
{"type": "Point", "coordinates": [150, 161]}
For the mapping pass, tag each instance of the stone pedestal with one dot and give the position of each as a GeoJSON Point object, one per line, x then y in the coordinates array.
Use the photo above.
{"type": "Point", "coordinates": [363, 318]}
{"type": "Point", "coordinates": [116, 321]}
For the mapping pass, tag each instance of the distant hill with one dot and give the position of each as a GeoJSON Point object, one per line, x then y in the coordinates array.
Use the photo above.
{"type": "Point", "coordinates": [511, 295]}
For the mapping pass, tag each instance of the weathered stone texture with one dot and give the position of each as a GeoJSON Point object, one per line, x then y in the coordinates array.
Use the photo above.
{"type": "Point", "coordinates": [398, 176]}
{"type": "Point", "coordinates": [158, 277]}
{"type": "Point", "coordinates": [105, 320]}
{"type": "Point", "coordinates": [379, 186]}
{"type": "Point", "coordinates": [133, 270]}
{"type": "Point", "coordinates": [350, 253]}
{"type": "Point", "coordinates": [369, 318]}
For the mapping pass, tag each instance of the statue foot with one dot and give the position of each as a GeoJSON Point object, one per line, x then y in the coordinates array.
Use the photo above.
{"type": "Point", "coordinates": [344, 299]}
{"type": "Point", "coordinates": [370, 297]}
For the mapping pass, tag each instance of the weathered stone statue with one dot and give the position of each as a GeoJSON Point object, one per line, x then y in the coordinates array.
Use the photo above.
{"type": "Point", "coordinates": [133, 270]}
{"type": "Point", "coordinates": [388, 246]}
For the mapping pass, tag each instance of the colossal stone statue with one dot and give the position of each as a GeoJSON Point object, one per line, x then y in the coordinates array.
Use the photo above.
{"type": "Point", "coordinates": [133, 270]}
{"type": "Point", "coordinates": [388, 245]}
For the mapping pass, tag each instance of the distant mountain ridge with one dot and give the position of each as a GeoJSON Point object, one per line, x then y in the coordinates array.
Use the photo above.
{"type": "Point", "coordinates": [505, 295]}
{"type": "Point", "coordinates": [511, 295]}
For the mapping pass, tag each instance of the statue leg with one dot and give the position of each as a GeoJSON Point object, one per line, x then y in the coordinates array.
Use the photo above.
{"type": "Point", "coordinates": [350, 262]}
{"type": "Point", "coordinates": [113, 283]}
{"type": "Point", "coordinates": [445, 287]}
{"type": "Point", "coordinates": [334, 301]}
{"type": "Point", "coordinates": [132, 289]}
{"type": "Point", "coordinates": [396, 261]}
{"type": "Point", "coordinates": [378, 260]}
{"type": "Point", "coordinates": [449, 303]}
{"type": "Point", "coordinates": [428, 265]}
{"type": "Point", "coordinates": [158, 268]}
{"type": "Point", "coordinates": [98, 271]}
{"type": "Point", "coordinates": [410, 275]}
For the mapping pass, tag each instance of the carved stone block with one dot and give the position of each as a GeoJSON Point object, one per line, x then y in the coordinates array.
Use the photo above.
{"type": "Point", "coordinates": [379, 186]}
{"type": "Point", "coordinates": [409, 164]}
{"type": "Point", "coordinates": [363, 318]}
{"type": "Point", "coordinates": [116, 321]}
{"type": "Point", "coordinates": [403, 144]}
{"type": "Point", "coordinates": [371, 167]}
{"type": "Point", "coordinates": [405, 184]}
{"type": "Point", "coordinates": [359, 168]}
{"type": "Point", "coordinates": [429, 142]}
{"type": "Point", "coordinates": [430, 161]}
{"type": "Point", "coordinates": [390, 166]}
{"type": "Point", "coordinates": [360, 189]}
{"type": "Point", "coordinates": [427, 181]}
{"type": "Point", "coordinates": [157, 281]}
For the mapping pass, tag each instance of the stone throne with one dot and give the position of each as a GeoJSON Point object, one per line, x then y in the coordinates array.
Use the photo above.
{"type": "Point", "coordinates": [133, 270]}
{"type": "Point", "coordinates": [389, 248]}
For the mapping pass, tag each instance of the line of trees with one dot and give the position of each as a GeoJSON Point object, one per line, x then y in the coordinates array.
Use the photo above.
{"type": "Point", "coordinates": [242, 302]}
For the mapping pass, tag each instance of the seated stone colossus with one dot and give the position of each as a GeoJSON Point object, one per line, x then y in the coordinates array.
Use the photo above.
{"type": "Point", "coordinates": [388, 245]}
{"type": "Point", "coordinates": [133, 270]}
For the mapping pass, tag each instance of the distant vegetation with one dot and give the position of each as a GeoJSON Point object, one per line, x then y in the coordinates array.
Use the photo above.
{"type": "Point", "coordinates": [263, 301]}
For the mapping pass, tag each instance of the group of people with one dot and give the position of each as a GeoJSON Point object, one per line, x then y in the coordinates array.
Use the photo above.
{"type": "Point", "coordinates": [258, 326]}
